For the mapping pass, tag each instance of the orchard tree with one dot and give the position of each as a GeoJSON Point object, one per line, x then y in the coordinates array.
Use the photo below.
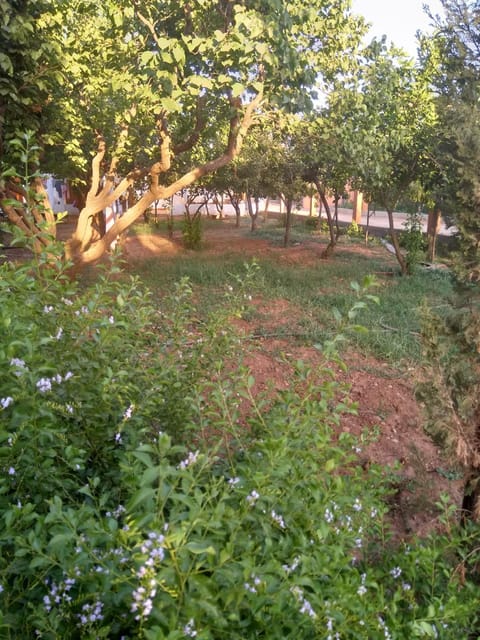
{"type": "Point", "coordinates": [455, 54]}
{"type": "Point", "coordinates": [395, 124]}
{"type": "Point", "coordinates": [228, 181]}
{"type": "Point", "coordinates": [328, 158]}
{"type": "Point", "coordinates": [454, 340]}
{"type": "Point", "coordinates": [146, 81]}
{"type": "Point", "coordinates": [253, 172]}
{"type": "Point", "coordinates": [284, 169]}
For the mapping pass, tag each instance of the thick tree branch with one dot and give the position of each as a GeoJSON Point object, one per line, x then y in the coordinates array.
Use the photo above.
{"type": "Point", "coordinates": [239, 126]}
{"type": "Point", "coordinates": [96, 163]}
{"type": "Point", "coordinates": [200, 122]}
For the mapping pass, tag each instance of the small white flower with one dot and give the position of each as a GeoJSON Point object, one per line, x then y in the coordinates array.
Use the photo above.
{"type": "Point", "coordinates": [278, 519]}
{"type": "Point", "coordinates": [59, 333]}
{"type": "Point", "coordinates": [233, 481]}
{"type": "Point", "coordinates": [329, 517]}
{"type": "Point", "coordinates": [11, 471]}
{"type": "Point", "coordinates": [6, 402]}
{"type": "Point", "coordinates": [357, 505]}
{"type": "Point", "coordinates": [252, 497]}
{"type": "Point", "coordinates": [17, 362]}
{"type": "Point", "coordinates": [189, 460]}
{"type": "Point", "coordinates": [396, 572]}
{"type": "Point", "coordinates": [128, 412]}
{"type": "Point", "coordinates": [306, 607]}
{"type": "Point", "coordinates": [44, 385]}
{"type": "Point", "coordinates": [189, 629]}
{"type": "Point", "coordinates": [68, 375]}
{"type": "Point", "coordinates": [111, 320]}
{"type": "Point", "coordinates": [118, 438]}
{"type": "Point", "coordinates": [289, 568]}
{"type": "Point", "coordinates": [47, 308]}
{"type": "Point", "coordinates": [20, 366]}
{"type": "Point", "coordinates": [362, 590]}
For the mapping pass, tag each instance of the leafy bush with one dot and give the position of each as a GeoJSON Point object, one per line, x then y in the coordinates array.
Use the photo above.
{"type": "Point", "coordinates": [147, 493]}
{"type": "Point", "coordinates": [316, 223]}
{"type": "Point", "coordinates": [413, 240]}
{"type": "Point", "coordinates": [192, 231]}
{"type": "Point", "coordinates": [354, 230]}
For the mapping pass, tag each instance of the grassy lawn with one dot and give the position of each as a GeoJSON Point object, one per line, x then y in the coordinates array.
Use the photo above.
{"type": "Point", "coordinates": [314, 288]}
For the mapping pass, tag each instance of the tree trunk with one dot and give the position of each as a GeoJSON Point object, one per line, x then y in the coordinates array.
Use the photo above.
{"type": "Point", "coordinates": [327, 252]}
{"type": "Point", "coordinates": [236, 206]}
{"type": "Point", "coordinates": [83, 251]}
{"type": "Point", "coordinates": [265, 210]}
{"type": "Point", "coordinates": [288, 221]}
{"type": "Point", "coordinates": [253, 214]}
{"type": "Point", "coordinates": [433, 227]}
{"type": "Point", "coordinates": [396, 245]}
{"type": "Point", "coordinates": [337, 228]}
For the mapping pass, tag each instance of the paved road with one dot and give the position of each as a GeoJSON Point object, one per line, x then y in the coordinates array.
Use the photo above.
{"type": "Point", "coordinates": [379, 219]}
{"type": "Point", "coordinates": [377, 224]}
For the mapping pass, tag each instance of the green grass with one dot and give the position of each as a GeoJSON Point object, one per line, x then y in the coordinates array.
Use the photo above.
{"type": "Point", "coordinates": [315, 290]}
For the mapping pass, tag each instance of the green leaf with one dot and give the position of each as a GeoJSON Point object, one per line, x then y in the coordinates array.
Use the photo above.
{"type": "Point", "coordinates": [170, 105]}
{"type": "Point", "coordinates": [337, 315]}
{"type": "Point", "coordinates": [60, 541]}
{"type": "Point", "coordinates": [200, 547]}
{"type": "Point", "coordinates": [330, 465]}
{"type": "Point", "coordinates": [146, 494]}
{"type": "Point", "coordinates": [237, 89]}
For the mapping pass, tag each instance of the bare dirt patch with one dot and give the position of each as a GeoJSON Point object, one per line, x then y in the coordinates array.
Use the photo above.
{"type": "Point", "coordinates": [388, 422]}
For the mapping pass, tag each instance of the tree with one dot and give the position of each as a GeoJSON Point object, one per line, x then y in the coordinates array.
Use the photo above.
{"type": "Point", "coordinates": [284, 171]}
{"type": "Point", "coordinates": [29, 68]}
{"type": "Point", "coordinates": [454, 344]}
{"type": "Point", "coordinates": [149, 80]}
{"type": "Point", "coordinates": [395, 123]}
{"type": "Point", "coordinates": [328, 158]}
{"type": "Point", "coordinates": [228, 181]}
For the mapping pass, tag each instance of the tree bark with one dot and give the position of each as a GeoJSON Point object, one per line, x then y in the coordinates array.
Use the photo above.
{"type": "Point", "coordinates": [288, 221]}
{"type": "Point", "coordinates": [327, 252]}
{"type": "Point", "coordinates": [81, 248]}
{"type": "Point", "coordinates": [396, 245]}
{"type": "Point", "coordinates": [433, 227]}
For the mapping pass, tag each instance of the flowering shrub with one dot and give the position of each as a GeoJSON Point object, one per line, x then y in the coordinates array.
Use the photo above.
{"type": "Point", "coordinates": [117, 520]}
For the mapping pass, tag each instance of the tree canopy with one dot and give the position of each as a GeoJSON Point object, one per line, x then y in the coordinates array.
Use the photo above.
{"type": "Point", "coordinates": [145, 82]}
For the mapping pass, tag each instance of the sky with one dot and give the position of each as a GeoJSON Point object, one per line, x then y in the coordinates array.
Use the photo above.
{"type": "Point", "coordinates": [399, 20]}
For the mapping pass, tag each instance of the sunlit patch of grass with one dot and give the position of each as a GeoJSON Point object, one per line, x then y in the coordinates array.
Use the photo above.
{"type": "Point", "coordinates": [314, 290]}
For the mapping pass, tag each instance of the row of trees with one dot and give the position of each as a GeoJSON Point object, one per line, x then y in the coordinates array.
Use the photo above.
{"type": "Point", "coordinates": [165, 92]}
{"type": "Point", "coordinates": [165, 95]}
